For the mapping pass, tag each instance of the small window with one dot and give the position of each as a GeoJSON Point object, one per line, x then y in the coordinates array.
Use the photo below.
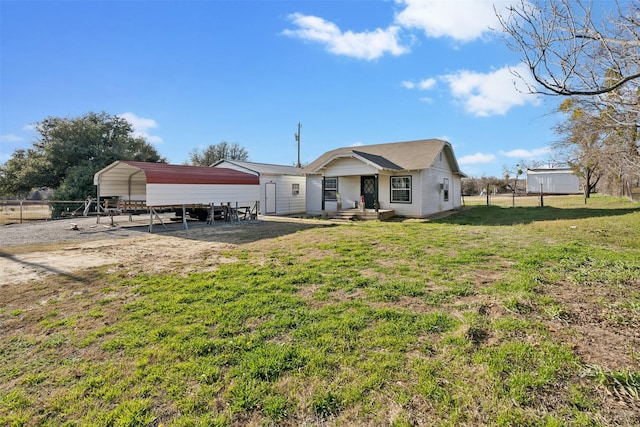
{"type": "Point", "coordinates": [400, 189]}
{"type": "Point", "coordinates": [445, 189]}
{"type": "Point", "coordinates": [295, 189]}
{"type": "Point", "coordinates": [331, 188]}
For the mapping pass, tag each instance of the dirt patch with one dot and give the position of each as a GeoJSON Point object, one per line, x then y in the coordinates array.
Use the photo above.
{"type": "Point", "coordinates": [601, 332]}
{"type": "Point", "coordinates": [59, 249]}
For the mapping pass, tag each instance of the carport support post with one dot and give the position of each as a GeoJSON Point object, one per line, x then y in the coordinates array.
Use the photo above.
{"type": "Point", "coordinates": [184, 217]}
{"type": "Point", "coordinates": [213, 213]}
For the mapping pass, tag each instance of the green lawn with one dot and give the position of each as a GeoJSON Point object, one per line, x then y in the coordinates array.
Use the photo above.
{"type": "Point", "coordinates": [492, 316]}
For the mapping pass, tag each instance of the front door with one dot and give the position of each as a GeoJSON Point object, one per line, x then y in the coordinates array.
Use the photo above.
{"type": "Point", "coordinates": [368, 190]}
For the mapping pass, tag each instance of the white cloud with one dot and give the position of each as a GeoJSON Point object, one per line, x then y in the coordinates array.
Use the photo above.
{"type": "Point", "coordinates": [476, 158]}
{"type": "Point", "coordinates": [493, 93]}
{"type": "Point", "coordinates": [522, 153]}
{"type": "Point", "coordinates": [141, 127]}
{"type": "Point", "coordinates": [366, 45]}
{"type": "Point", "coordinates": [424, 84]}
{"type": "Point", "coordinates": [10, 138]}
{"type": "Point", "coordinates": [462, 21]}
{"type": "Point", "coordinates": [427, 83]}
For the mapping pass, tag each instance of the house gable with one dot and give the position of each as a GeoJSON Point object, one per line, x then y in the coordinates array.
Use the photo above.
{"type": "Point", "coordinates": [393, 157]}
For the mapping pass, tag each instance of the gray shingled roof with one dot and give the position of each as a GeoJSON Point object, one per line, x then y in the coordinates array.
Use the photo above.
{"type": "Point", "coordinates": [410, 155]}
{"type": "Point", "coordinates": [265, 168]}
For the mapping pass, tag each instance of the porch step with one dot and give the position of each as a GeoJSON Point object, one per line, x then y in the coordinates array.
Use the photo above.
{"type": "Point", "coordinates": [354, 214]}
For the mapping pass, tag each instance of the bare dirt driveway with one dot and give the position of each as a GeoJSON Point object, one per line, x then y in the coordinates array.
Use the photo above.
{"type": "Point", "coordinates": [32, 251]}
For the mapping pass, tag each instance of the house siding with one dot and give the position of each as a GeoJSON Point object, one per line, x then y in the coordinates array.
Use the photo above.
{"type": "Point", "coordinates": [286, 202]}
{"type": "Point", "coordinates": [349, 167]}
{"type": "Point", "coordinates": [433, 200]}
{"type": "Point", "coordinates": [402, 209]}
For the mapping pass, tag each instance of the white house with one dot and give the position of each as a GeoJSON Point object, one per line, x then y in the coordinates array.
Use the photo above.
{"type": "Point", "coordinates": [552, 181]}
{"type": "Point", "coordinates": [282, 188]}
{"type": "Point", "coordinates": [411, 179]}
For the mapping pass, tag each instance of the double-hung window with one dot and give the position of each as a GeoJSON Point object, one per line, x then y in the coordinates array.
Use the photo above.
{"type": "Point", "coordinates": [331, 188]}
{"type": "Point", "coordinates": [400, 189]}
{"type": "Point", "coordinates": [445, 189]}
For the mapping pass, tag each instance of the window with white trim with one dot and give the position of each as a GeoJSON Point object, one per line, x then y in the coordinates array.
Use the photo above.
{"type": "Point", "coordinates": [445, 189]}
{"type": "Point", "coordinates": [331, 188]}
{"type": "Point", "coordinates": [401, 189]}
{"type": "Point", "coordinates": [295, 189]}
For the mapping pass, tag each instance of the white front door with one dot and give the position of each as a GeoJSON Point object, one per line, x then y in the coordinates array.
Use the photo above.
{"type": "Point", "coordinates": [270, 198]}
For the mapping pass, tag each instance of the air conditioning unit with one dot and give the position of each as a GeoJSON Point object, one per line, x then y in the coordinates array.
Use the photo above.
{"type": "Point", "coordinates": [441, 186]}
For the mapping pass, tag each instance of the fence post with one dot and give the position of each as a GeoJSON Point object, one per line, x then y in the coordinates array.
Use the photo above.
{"type": "Point", "coordinates": [541, 196]}
{"type": "Point", "coordinates": [20, 211]}
{"type": "Point", "coordinates": [487, 194]}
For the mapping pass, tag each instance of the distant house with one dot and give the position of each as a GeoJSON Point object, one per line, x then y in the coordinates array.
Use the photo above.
{"type": "Point", "coordinates": [282, 188]}
{"type": "Point", "coordinates": [552, 181]}
{"type": "Point", "coordinates": [411, 179]}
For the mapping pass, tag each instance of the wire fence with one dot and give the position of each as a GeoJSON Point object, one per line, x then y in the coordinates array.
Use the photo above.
{"type": "Point", "coordinates": [523, 200]}
{"type": "Point", "coordinates": [23, 211]}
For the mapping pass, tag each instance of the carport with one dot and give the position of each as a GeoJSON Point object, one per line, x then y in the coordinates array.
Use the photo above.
{"type": "Point", "coordinates": [155, 185]}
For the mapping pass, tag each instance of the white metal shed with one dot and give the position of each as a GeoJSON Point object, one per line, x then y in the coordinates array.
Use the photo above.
{"type": "Point", "coordinates": [282, 188]}
{"type": "Point", "coordinates": [552, 181]}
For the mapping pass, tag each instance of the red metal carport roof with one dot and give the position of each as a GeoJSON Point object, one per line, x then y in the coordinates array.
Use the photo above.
{"type": "Point", "coordinates": [162, 173]}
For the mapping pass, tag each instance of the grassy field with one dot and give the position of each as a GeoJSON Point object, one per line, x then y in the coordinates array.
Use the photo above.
{"type": "Point", "coordinates": [492, 316]}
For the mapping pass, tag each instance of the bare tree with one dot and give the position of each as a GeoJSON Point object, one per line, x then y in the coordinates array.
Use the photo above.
{"type": "Point", "coordinates": [214, 153]}
{"type": "Point", "coordinates": [581, 144]}
{"type": "Point", "coordinates": [569, 51]}
{"type": "Point", "coordinates": [592, 57]}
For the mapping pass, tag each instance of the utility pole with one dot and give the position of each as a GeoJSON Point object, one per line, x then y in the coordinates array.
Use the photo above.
{"type": "Point", "coordinates": [297, 136]}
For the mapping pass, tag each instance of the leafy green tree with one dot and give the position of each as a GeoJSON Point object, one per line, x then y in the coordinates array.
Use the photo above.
{"type": "Point", "coordinates": [217, 152]}
{"type": "Point", "coordinates": [69, 151]}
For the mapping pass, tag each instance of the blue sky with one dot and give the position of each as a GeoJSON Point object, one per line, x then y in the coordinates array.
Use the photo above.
{"type": "Point", "coordinates": [188, 74]}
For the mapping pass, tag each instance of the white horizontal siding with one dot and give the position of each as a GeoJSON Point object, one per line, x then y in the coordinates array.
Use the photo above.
{"type": "Point", "coordinates": [349, 167]}
{"type": "Point", "coordinates": [402, 209]}
{"type": "Point", "coordinates": [286, 202]}
{"type": "Point", "coordinates": [433, 197]}
{"type": "Point", "coordinates": [185, 194]}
